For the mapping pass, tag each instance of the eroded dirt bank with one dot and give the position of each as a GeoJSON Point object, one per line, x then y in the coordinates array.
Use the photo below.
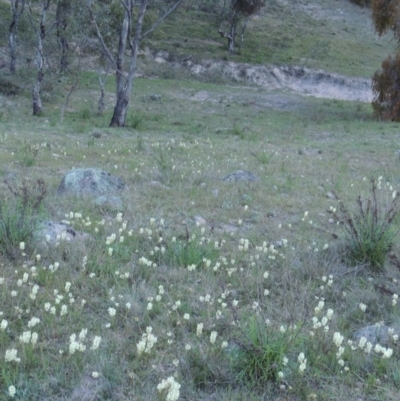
{"type": "Point", "coordinates": [306, 81]}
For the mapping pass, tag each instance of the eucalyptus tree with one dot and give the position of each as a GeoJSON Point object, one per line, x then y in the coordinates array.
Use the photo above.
{"type": "Point", "coordinates": [126, 18]}
{"type": "Point", "coordinates": [17, 8]}
{"type": "Point", "coordinates": [63, 16]}
{"type": "Point", "coordinates": [38, 20]}
{"type": "Point", "coordinates": [386, 83]}
{"type": "Point", "coordinates": [233, 14]}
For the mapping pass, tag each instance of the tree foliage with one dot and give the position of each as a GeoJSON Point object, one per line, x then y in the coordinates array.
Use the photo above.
{"type": "Point", "coordinates": [386, 82]}
{"type": "Point", "coordinates": [386, 89]}
{"type": "Point", "coordinates": [247, 7]}
{"type": "Point", "coordinates": [235, 13]}
{"type": "Point", "coordinates": [386, 16]}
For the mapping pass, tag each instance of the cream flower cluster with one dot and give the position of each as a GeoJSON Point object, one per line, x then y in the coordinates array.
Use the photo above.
{"type": "Point", "coordinates": [302, 361]}
{"type": "Point", "coordinates": [147, 342]}
{"type": "Point", "coordinates": [367, 347]}
{"type": "Point", "coordinates": [11, 355]}
{"type": "Point", "coordinates": [28, 337]}
{"type": "Point", "coordinates": [170, 388]}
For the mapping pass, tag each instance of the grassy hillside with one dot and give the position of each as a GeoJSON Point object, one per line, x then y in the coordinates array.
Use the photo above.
{"type": "Point", "coordinates": [334, 35]}
{"type": "Point", "coordinates": [231, 289]}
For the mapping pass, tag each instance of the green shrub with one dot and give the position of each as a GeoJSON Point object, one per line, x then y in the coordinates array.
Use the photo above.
{"type": "Point", "coordinates": [134, 121]}
{"type": "Point", "coordinates": [9, 85]}
{"type": "Point", "coordinates": [385, 87]}
{"type": "Point", "coordinates": [260, 352]}
{"type": "Point", "coordinates": [189, 253]}
{"type": "Point", "coordinates": [369, 232]}
{"type": "Point", "coordinates": [18, 216]}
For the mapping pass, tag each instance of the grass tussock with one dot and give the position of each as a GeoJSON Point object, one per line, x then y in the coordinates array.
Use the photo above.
{"type": "Point", "coordinates": [19, 216]}
{"type": "Point", "coordinates": [370, 231]}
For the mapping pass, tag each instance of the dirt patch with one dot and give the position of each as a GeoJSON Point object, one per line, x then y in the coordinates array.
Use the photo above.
{"type": "Point", "coordinates": [302, 80]}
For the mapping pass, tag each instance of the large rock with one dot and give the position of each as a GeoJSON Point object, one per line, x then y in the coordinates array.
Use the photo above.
{"type": "Point", "coordinates": [92, 182]}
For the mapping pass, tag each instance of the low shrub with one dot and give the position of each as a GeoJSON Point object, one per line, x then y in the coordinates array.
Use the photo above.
{"type": "Point", "coordinates": [18, 216]}
{"type": "Point", "coordinates": [369, 232]}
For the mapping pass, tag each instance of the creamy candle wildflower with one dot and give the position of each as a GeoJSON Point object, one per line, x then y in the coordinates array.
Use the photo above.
{"type": "Point", "coordinates": [33, 322]}
{"type": "Point", "coordinates": [12, 391]}
{"type": "Point", "coordinates": [199, 329]}
{"type": "Point", "coordinates": [96, 343]}
{"type": "Point", "coordinates": [11, 355]}
{"type": "Point", "coordinates": [3, 325]}
{"type": "Point", "coordinates": [170, 388]}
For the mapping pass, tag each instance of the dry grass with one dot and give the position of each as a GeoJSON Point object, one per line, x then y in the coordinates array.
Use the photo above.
{"type": "Point", "coordinates": [172, 173]}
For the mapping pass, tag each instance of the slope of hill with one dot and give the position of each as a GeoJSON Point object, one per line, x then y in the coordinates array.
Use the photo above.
{"type": "Point", "coordinates": [337, 36]}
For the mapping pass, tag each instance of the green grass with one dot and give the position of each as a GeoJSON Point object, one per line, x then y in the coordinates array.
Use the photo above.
{"type": "Point", "coordinates": [314, 147]}
{"type": "Point", "coordinates": [284, 34]}
{"type": "Point", "coordinates": [232, 278]}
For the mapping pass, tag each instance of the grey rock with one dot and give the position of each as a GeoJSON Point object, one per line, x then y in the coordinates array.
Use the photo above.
{"type": "Point", "coordinates": [155, 97]}
{"type": "Point", "coordinates": [113, 202]}
{"type": "Point", "coordinates": [50, 232]}
{"type": "Point", "coordinates": [200, 220]}
{"type": "Point", "coordinates": [90, 182]}
{"type": "Point", "coordinates": [239, 175]}
{"type": "Point", "coordinates": [375, 334]}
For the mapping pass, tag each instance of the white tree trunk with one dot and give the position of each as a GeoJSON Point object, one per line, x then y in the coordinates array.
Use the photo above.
{"type": "Point", "coordinates": [124, 85]}
{"type": "Point", "coordinates": [17, 8]}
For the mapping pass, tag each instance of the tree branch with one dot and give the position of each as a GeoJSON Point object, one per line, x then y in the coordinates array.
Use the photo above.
{"type": "Point", "coordinates": [106, 50]}
{"type": "Point", "coordinates": [162, 18]}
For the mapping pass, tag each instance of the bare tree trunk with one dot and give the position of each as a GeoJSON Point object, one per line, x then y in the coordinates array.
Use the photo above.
{"type": "Point", "coordinates": [124, 85]}
{"type": "Point", "coordinates": [36, 100]}
{"type": "Point", "coordinates": [71, 90]}
{"type": "Point", "coordinates": [62, 13]}
{"type": "Point", "coordinates": [231, 39]}
{"type": "Point", "coordinates": [17, 8]}
{"type": "Point", "coordinates": [230, 36]}
{"type": "Point", "coordinates": [242, 31]}
{"type": "Point", "coordinates": [101, 105]}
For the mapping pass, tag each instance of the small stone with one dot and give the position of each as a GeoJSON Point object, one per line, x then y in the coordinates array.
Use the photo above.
{"type": "Point", "coordinates": [200, 220]}
{"type": "Point", "coordinates": [154, 97]}
{"type": "Point", "coordinates": [239, 175]}
{"type": "Point", "coordinates": [49, 231]}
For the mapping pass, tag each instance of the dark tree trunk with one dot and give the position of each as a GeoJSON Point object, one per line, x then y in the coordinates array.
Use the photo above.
{"type": "Point", "coordinates": [36, 100]}
{"type": "Point", "coordinates": [231, 39]}
{"type": "Point", "coordinates": [17, 8]}
{"type": "Point", "coordinates": [62, 12]}
{"type": "Point", "coordinates": [124, 85]}
{"type": "Point", "coordinates": [102, 82]}
{"type": "Point", "coordinates": [120, 109]}
{"type": "Point", "coordinates": [124, 82]}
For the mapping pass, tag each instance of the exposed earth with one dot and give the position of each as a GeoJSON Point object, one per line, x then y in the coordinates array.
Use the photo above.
{"type": "Point", "coordinates": [298, 79]}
